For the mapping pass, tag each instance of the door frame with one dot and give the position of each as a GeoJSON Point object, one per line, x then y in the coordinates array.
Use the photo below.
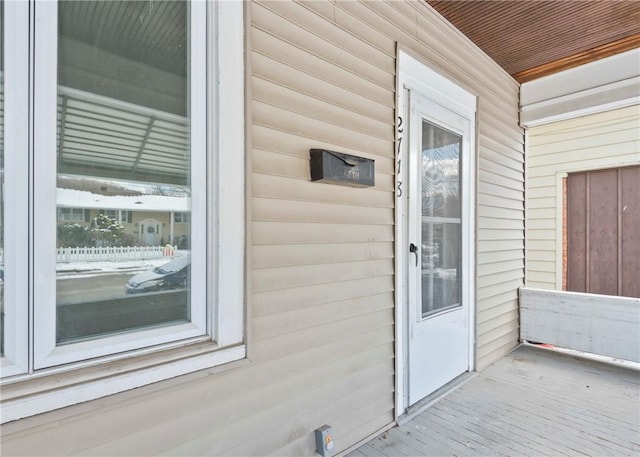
{"type": "Point", "coordinates": [414, 74]}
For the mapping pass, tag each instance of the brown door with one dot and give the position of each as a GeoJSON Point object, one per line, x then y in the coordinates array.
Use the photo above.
{"type": "Point", "coordinates": [603, 232]}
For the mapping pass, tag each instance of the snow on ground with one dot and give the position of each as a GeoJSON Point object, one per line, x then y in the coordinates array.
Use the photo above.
{"type": "Point", "coordinates": [90, 269]}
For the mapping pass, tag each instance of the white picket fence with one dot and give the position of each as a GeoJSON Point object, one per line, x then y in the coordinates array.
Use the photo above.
{"type": "Point", "coordinates": [113, 254]}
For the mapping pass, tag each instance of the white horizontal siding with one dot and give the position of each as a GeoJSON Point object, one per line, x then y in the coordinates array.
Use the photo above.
{"type": "Point", "coordinates": [606, 140]}
{"type": "Point", "coordinates": [282, 323]}
{"type": "Point", "coordinates": [321, 322]}
{"type": "Point", "coordinates": [500, 151]}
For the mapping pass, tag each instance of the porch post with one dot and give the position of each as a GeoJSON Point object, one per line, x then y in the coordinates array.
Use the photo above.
{"type": "Point", "coordinates": [171, 229]}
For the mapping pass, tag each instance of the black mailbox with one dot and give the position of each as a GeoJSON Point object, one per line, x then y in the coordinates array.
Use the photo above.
{"type": "Point", "coordinates": [338, 168]}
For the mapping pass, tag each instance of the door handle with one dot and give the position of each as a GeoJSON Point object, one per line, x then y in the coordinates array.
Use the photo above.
{"type": "Point", "coordinates": [413, 248]}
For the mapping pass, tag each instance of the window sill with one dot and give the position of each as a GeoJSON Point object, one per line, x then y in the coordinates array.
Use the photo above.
{"type": "Point", "coordinates": [28, 395]}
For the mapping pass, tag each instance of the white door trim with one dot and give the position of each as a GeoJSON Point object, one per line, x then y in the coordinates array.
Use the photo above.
{"type": "Point", "coordinates": [417, 76]}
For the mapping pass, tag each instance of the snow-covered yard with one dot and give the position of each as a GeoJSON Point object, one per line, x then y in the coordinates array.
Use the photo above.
{"type": "Point", "coordinates": [80, 269]}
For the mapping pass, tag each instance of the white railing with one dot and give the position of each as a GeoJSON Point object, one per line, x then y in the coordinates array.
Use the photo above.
{"type": "Point", "coordinates": [113, 254]}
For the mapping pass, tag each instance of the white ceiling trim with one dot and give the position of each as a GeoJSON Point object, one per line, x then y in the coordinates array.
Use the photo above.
{"type": "Point", "coordinates": [599, 86]}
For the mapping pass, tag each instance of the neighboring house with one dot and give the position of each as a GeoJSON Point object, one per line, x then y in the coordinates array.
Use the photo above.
{"type": "Point", "coordinates": [583, 181]}
{"type": "Point", "coordinates": [148, 220]}
{"type": "Point", "coordinates": [166, 227]}
{"type": "Point", "coordinates": [308, 303]}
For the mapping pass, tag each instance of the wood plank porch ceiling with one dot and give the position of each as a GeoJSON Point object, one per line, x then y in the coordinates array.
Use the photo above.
{"type": "Point", "coordinates": [535, 38]}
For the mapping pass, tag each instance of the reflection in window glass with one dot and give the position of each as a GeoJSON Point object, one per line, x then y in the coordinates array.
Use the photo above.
{"type": "Point", "coordinates": [1, 178]}
{"type": "Point", "coordinates": [440, 172]}
{"type": "Point", "coordinates": [123, 167]}
{"type": "Point", "coordinates": [441, 219]}
{"type": "Point", "coordinates": [70, 214]}
{"type": "Point", "coordinates": [181, 217]}
{"type": "Point", "coordinates": [440, 266]}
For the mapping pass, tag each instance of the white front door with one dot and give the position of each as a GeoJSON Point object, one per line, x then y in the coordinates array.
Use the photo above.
{"type": "Point", "coordinates": [150, 232]}
{"type": "Point", "coordinates": [438, 250]}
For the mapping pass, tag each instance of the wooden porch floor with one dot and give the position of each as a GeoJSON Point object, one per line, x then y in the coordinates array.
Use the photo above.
{"type": "Point", "coordinates": [531, 403]}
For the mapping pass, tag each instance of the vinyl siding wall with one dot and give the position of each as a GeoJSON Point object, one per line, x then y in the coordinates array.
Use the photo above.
{"type": "Point", "coordinates": [599, 141]}
{"type": "Point", "coordinates": [321, 273]}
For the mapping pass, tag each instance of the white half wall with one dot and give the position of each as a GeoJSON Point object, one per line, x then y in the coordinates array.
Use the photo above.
{"type": "Point", "coordinates": [599, 324]}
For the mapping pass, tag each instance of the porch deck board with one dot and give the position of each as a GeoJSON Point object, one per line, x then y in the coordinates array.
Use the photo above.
{"type": "Point", "coordinates": [533, 402]}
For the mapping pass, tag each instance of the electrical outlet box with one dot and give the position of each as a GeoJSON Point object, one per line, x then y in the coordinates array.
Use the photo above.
{"type": "Point", "coordinates": [324, 441]}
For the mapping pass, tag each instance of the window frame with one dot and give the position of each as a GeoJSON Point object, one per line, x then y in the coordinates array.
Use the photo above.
{"type": "Point", "coordinates": [16, 267]}
{"type": "Point", "coordinates": [47, 353]}
{"type": "Point", "coordinates": [181, 217]}
{"type": "Point", "coordinates": [27, 390]}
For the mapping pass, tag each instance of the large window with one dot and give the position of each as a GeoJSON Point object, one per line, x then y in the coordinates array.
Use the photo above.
{"type": "Point", "coordinates": [125, 135]}
{"type": "Point", "coordinates": [71, 214]}
{"type": "Point", "coordinates": [119, 215]}
{"type": "Point", "coordinates": [182, 218]}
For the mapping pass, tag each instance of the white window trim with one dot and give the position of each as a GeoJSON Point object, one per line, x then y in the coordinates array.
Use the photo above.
{"type": "Point", "coordinates": [230, 172]}
{"type": "Point", "coordinates": [16, 102]}
{"type": "Point", "coordinates": [28, 394]}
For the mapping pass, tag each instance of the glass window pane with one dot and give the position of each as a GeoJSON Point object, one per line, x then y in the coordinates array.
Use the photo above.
{"type": "Point", "coordinates": [441, 262]}
{"type": "Point", "coordinates": [1, 178]}
{"type": "Point", "coordinates": [124, 161]}
{"type": "Point", "coordinates": [441, 224]}
{"type": "Point", "coordinates": [440, 172]}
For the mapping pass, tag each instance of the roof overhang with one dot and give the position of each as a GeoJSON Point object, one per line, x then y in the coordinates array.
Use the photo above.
{"type": "Point", "coordinates": [73, 198]}
{"type": "Point", "coordinates": [598, 86]}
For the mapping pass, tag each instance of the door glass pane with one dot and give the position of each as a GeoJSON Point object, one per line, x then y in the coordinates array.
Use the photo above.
{"type": "Point", "coordinates": [441, 224]}
{"type": "Point", "coordinates": [440, 266]}
{"type": "Point", "coordinates": [1, 178]}
{"type": "Point", "coordinates": [123, 167]}
{"type": "Point", "coordinates": [440, 172]}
